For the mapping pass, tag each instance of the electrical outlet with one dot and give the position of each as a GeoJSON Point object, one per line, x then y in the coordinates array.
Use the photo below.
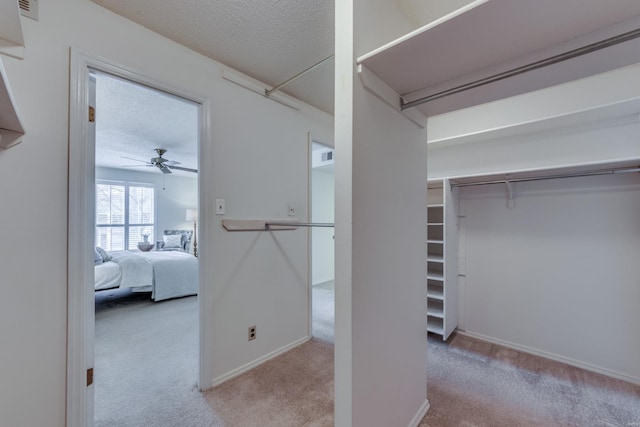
{"type": "Point", "coordinates": [292, 210]}
{"type": "Point", "coordinates": [252, 333]}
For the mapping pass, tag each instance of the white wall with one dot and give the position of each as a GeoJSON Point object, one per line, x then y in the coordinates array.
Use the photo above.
{"type": "Point", "coordinates": [179, 194]}
{"type": "Point", "coordinates": [380, 237]}
{"type": "Point", "coordinates": [322, 210]}
{"type": "Point", "coordinates": [559, 273]}
{"type": "Point", "coordinates": [555, 275]}
{"type": "Point", "coordinates": [259, 279]}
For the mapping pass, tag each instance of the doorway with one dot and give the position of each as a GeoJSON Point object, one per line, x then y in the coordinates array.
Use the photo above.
{"type": "Point", "coordinates": [81, 377]}
{"type": "Point", "coordinates": [322, 208]}
{"type": "Point", "coordinates": [146, 335]}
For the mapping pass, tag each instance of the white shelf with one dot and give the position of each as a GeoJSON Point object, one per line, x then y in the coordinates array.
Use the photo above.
{"type": "Point", "coordinates": [435, 295]}
{"type": "Point", "coordinates": [435, 258]}
{"type": "Point", "coordinates": [11, 130]}
{"type": "Point", "coordinates": [442, 271]}
{"type": "Point", "coordinates": [11, 39]}
{"type": "Point", "coordinates": [436, 328]}
{"type": "Point", "coordinates": [435, 275]}
{"type": "Point", "coordinates": [436, 206]}
{"type": "Point", "coordinates": [492, 36]}
{"type": "Point", "coordinates": [434, 309]}
{"type": "Point", "coordinates": [439, 314]}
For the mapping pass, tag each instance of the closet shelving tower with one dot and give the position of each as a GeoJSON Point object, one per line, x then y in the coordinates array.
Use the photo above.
{"type": "Point", "coordinates": [442, 258]}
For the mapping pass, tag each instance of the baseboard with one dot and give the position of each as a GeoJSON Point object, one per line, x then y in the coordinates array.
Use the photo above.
{"type": "Point", "coordinates": [553, 356]}
{"type": "Point", "coordinates": [247, 367]}
{"type": "Point", "coordinates": [415, 422]}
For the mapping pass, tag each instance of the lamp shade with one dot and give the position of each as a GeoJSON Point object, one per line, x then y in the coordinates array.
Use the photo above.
{"type": "Point", "coordinates": [192, 215]}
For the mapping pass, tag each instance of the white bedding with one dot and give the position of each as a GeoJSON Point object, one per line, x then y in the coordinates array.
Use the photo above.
{"type": "Point", "coordinates": [107, 275]}
{"type": "Point", "coordinates": [167, 274]}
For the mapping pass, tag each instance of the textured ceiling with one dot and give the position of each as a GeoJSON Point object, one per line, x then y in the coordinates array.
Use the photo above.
{"type": "Point", "coordinates": [270, 40]}
{"type": "Point", "coordinates": [133, 120]}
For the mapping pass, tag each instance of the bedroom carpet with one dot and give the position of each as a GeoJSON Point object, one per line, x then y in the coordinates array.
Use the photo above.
{"type": "Point", "coordinates": [146, 362]}
{"type": "Point", "coordinates": [151, 380]}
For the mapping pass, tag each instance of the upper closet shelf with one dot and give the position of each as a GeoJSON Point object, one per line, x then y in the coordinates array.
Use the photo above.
{"type": "Point", "coordinates": [493, 49]}
{"type": "Point", "coordinates": [11, 130]}
{"type": "Point", "coordinates": [11, 39]}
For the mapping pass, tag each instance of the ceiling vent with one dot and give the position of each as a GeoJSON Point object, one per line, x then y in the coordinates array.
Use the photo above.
{"type": "Point", "coordinates": [326, 156]}
{"type": "Point", "coordinates": [29, 8]}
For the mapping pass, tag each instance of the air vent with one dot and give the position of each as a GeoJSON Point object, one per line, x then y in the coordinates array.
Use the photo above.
{"type": "Point", "coordinates": [327, 156]}
{"type": "Point", "coordinates": [29, 8]}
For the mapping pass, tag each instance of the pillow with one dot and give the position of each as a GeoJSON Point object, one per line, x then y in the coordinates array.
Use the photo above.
{"type": "Point", "coordinates": [172, 241]}
{"type": "Point", "coordinates": [97, 259]}
{"type": "Point", "coordinates": [103, 254]}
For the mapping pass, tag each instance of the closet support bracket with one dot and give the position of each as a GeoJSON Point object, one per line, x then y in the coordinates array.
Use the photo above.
{"type": "Point", "coordinates": [511, 202]}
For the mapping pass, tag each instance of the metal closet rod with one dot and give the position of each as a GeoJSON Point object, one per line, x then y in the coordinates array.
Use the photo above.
{"type": "Point", "coordinates": [300, 74]}
{"type": "Point", "coordinates": [540, 178]}
{"type": "Point", "coordinates": [620, 38]}
{"type": "Point", "coordinates": [298, 224]}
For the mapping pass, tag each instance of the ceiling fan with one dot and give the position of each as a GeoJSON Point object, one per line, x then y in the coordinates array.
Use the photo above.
{"type": "Point", "coordinates": [165, 165]}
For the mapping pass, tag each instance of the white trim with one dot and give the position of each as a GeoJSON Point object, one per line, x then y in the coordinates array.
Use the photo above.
{"type": "Point", "coordinates": [420, 30]}
{"type": "Point", "coordinates": [80, 235]}
{"type": "Point", "coordinates": [374, 84]}
{"type": "Point", "coordinates": [247, 367]}
{"type": "Point", "coordinates": [415, 422]}
{"type": "Point", "coordinates": [309, 234]}
{"type": "Point", "coordinates": [552, 356]}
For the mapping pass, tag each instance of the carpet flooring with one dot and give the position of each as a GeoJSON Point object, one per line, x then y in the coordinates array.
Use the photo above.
{"type": "Point", "coordinates": [323, 314]}
{"type": "Point", "coordinates": [474, 383]}
{"type": "Point", "coordinates": [146, 358]}
{"type": "Point", "coordinates": [146, 376]}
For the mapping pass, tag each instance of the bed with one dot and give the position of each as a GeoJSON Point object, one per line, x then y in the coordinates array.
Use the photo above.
{"type": "Point", "coordinates": [169, 272]}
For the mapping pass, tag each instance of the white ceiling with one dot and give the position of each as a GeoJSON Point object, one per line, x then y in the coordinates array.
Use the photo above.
{"type": "Point", "coordinates": [133, 120]}
{"type": "Point", "coordinates": [269, 40]}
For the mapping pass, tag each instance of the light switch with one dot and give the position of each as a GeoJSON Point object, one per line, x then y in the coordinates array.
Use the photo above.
{"type": "Point", "coordinates": [220, 207]}
{"type": "Point", "coordinates": [292, 210]}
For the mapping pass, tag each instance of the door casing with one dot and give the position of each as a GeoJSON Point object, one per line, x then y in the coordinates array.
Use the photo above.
{"type": "Point", "coordinates": [81, 190]}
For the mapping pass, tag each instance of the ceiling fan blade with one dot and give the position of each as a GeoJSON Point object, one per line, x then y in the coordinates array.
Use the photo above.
{"type": "Point", "coordinates": [171, 162]}
{"type": "Point", "coordinates": [163, 168]}
{"type": "Point", "coordinates": [137, 166]}
{"type": "Point", "coordinates": [180, 168]}
{"type": "Point", "coordinates": [137, 160]}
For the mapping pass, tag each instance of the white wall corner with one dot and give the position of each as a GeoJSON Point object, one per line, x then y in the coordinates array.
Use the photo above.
{"type": "Point", "coordinates": [386, 94]}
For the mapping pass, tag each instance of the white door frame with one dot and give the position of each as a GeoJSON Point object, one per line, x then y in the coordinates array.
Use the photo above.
{"type": "Point", "coordinates": [81, 220]}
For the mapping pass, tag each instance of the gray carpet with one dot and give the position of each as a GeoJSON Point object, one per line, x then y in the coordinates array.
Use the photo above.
{"type": "Point", "coordinates": [146, 362]}
{"type": "Point", "coordinates": [474, 383]}
{"type": "Point", "coordinates": [323, 315]}
{"type": "Point", "coordinates": [146, 357]}
{"type": "Point", "coordinates": [146, 376]}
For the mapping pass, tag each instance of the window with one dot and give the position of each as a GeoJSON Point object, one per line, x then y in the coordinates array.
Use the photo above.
{"type": "Point", "coordinates": [124, 214]}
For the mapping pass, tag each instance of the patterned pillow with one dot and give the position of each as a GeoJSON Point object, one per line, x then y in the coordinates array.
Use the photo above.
{"type": "Point", "coordinates": [97, 259]}
{"type": "Point", "coordinates": [172, 241]}
{"type": "Point", "coordinates": [103, 254]}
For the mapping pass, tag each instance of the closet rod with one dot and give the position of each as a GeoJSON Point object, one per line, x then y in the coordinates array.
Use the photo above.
{"type": "Point", "coordinates": [620, 38]}
{"type": "Point", "coordinates": [300, 74]}
{"type": "Point", "coordinates": [298, 224]}
{"type": "Point", "coordinates": [540, 178]}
